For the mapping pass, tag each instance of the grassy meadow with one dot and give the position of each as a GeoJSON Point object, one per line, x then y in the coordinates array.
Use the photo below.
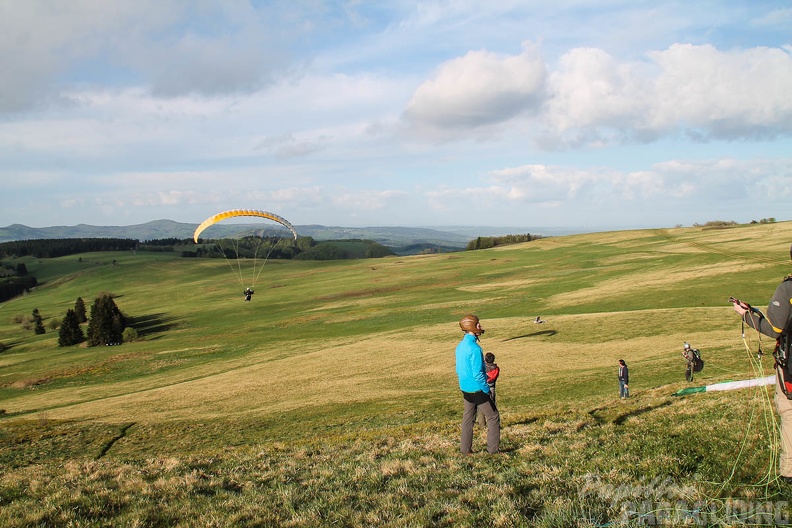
{"type": "Point", "coordinates": [331, 397]}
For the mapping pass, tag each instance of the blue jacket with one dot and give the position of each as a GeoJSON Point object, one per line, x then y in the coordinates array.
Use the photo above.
{"type": "Point", "coordinates": [470, 365]}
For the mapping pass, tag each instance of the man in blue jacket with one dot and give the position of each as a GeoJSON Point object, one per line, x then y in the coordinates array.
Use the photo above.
{"type": "Point", "coordinates": [473, 384]}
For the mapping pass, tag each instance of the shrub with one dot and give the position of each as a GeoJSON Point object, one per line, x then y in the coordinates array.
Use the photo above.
{"type": "Point", "coordinates": [717, 224]}
{"type": "Point", "coordinates": [129, 334]}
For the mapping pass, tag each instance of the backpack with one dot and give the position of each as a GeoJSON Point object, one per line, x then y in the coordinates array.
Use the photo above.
{"type": "Point", "coordinates": [782, 364]}
{"type": "Point", "coordinates": [698, 363]}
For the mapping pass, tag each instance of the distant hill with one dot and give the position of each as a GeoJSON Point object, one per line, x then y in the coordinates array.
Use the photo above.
{"type": "Point", "coordinates": [447, 238]}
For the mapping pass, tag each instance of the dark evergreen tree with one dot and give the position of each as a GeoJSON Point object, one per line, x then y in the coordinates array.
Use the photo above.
{"type": "Point", "coordinates": [13, 286]}
{"type": "Point", "coordinates": [70, 332]}
{"type": "Point", "coordinates": [38, 323]}
{"type": "Point", "coordinates": [21, 269]}
{"type": "Point", "coordinates": [107, 323]}
{"type": "Point", "coordinates": [79, 310]}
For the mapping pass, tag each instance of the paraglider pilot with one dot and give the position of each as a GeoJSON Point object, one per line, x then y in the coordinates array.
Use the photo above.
{"type": "Point", "coordinates": [248, 294]}
{"type": "Point", "coordinates": [694, 361]}
{"type": "Point", "coordinates": [777, 324]}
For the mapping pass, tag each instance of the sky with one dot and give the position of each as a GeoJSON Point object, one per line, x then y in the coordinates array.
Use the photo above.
{"type": "Point", "coordinates": [576, 114]}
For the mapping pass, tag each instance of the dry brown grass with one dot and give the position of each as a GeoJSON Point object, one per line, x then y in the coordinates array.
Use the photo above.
{"type": "Point", "coordinates": [631, 284]}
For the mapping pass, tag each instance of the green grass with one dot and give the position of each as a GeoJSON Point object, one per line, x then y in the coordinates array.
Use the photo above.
{"type": "Point", "coordinates": [331, 398]}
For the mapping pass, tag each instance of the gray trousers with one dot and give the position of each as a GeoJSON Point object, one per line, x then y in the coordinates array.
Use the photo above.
{"type": "Point", "coordinates": [480, 414]}
{"type": "Point", "coordinates": [473, 403]}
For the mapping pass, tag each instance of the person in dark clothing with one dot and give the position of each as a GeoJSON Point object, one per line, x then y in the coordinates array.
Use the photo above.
{"type": "Point", "coordinates": [248, 294]}
{"type": "Point", "coordinates": [624, 380]}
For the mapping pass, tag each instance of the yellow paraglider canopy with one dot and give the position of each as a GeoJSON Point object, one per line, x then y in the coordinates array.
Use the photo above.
{"type": "Point", "coordinates": [242, 212]}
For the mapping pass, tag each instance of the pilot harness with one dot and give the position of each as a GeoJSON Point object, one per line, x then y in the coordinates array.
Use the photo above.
{"type": "Point", "coordinates": [782, 352]}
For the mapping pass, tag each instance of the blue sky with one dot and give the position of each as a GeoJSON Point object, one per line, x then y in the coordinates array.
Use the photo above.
{"type": "Point", "coordinates": [581, 114]}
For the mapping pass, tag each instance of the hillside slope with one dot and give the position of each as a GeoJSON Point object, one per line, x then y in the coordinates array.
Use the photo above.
{"type": "Point", "coordinates": [338, 371]}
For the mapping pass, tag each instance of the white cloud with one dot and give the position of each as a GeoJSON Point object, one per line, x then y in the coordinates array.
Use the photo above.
{"type": "Point", "coordinates": [591, 89]}
{"type": "Point", "coordinates": [734, 94]}
{"type": "Point", "coordinates": [696, 90]}
{"type": "Point", "coordinates": [478, 89]}
{"type": "Point", "coordinates": [593, 99]}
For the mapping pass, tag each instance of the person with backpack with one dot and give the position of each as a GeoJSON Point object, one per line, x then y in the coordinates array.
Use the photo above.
{"type": "Point", "coordinates": [694, 361]}
{"type": "Point", "coordinates": [776, 323]}
{"type": "Point", "coordinates": [475, 390]}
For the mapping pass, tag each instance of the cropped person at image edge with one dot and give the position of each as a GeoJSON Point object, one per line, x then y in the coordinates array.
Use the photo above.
{"type": "Point", "coordinates": [778, 324]}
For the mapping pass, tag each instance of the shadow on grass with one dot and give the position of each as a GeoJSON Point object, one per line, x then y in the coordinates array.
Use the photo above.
{"type": "Point", "coordinates": [148, 325]}
{"type": "Point", "coordinates": [621, 418]}
{"type": "Point", "coordinates": [121, 434]}
{"type": "Point", "coordinates": [8, 345]}
{"type": "Point", "coordinates": [524, 421]}
{"type": "Point", "coordinates": [534, 334]}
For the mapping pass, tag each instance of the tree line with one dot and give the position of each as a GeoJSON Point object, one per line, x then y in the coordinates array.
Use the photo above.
{"type": "Point", "coordinates": [304, 248]}
{"type": "Point", "coordinates": [60, 247]}
{"type": "Point", "coordinates": [493, 241]}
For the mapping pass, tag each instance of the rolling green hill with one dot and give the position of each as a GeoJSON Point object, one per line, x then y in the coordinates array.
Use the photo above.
{"type": "Point", "coordinates": [331, 398]}
{"type": "Point", "coordinates": [159, 229]}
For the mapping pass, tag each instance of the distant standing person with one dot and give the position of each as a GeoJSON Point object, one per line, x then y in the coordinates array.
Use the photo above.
{"type": "Point", "coordinates": [624, 380]}
{"type": "Point", "coordinates": [475, 390]}
{"type": "Point", "coordinates": [492, 371]}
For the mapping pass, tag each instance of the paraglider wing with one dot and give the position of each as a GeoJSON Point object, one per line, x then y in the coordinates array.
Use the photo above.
{"type": "Point", "coordinates": [731, 385]}
{"type": "Point", "coordinates": [728, 385]}
{"type": "Point", "coordinates": [243, 212]}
